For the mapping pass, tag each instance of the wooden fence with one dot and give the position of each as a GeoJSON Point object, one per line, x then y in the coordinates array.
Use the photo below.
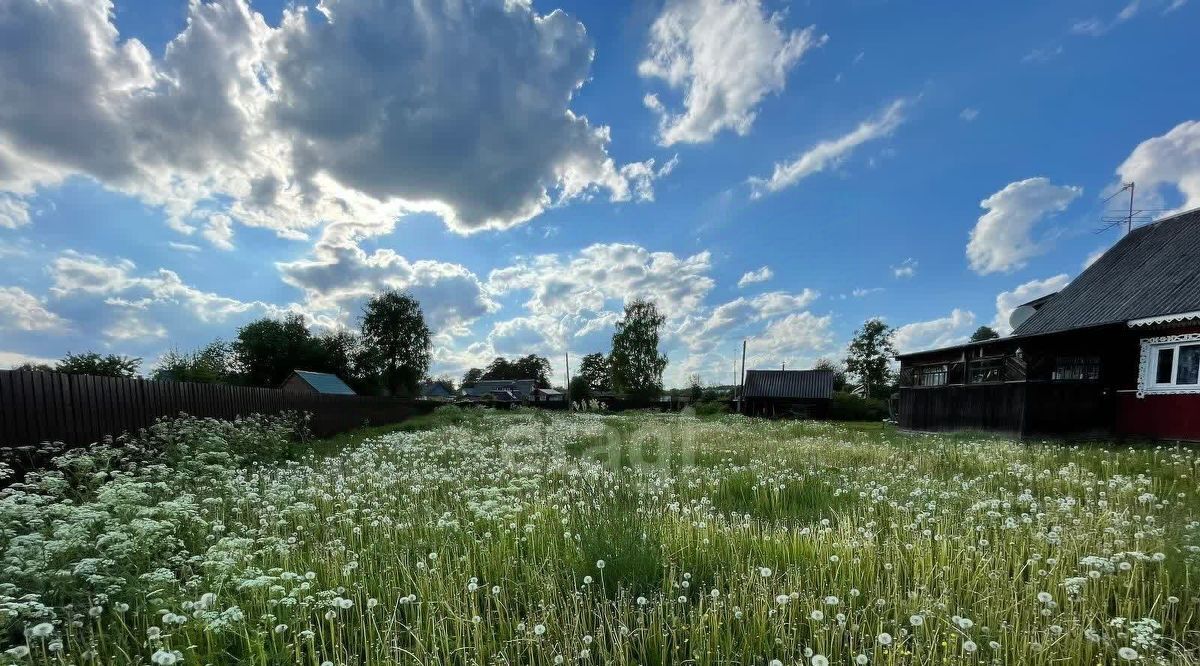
{"type": "Point", "coordinates": [77, 410]}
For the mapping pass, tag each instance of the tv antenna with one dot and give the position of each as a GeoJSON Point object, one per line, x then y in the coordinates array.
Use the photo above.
{"type": "Point", "coordinates": [1127, 218]}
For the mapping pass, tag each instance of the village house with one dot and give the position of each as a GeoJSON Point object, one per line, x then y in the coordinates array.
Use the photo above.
{"type": "Point", "coordinates": [315, 383]}
{"type": "Point", "coordinates": [436, 391]}
{"type": "Point", "coordinates": [1115, 353]}
{"type": "Point", "coordinates": [501, 390]}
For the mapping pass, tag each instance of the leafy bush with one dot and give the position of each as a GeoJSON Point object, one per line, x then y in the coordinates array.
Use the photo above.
{"type": "Point", "coordinates": [850, 407]}
{"type": "Point", "coordinates": [711, 408]}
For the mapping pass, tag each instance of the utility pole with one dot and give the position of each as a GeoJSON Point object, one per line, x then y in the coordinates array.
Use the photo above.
{"type": "Point", "coordinates": [567, 356]}
{"type": "Point", "coordinates": [741, 383]}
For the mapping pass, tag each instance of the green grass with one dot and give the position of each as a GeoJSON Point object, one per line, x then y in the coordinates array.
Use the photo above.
{"type": "Point", "coordinates": [473, 537]}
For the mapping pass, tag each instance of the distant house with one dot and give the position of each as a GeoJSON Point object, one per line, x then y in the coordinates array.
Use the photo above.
{"type": "Point", "coordinates": [1117, 352]}
{"type": "Point", "coordinates": [787, 393]}
{"type": "Point", "coordinates": [322, 383]}
{"type": "Point", "coordinates": [507, 390]}
{"type": "Point", "coordinates": [548, 395]}
{"type": "Point", "coordinates": [436, 391]}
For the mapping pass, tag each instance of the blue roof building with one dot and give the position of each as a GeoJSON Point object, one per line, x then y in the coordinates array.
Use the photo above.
{"type": "Point", "coordinates": [324, 383]}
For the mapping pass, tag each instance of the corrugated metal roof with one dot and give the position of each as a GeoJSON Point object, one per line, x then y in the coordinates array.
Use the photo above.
{"type": "Point", "coordinates": [323, 382]}
{"type": "Point", "coordinates": [816, 384]}
{"type": "Point", "coordinates": [1153, 271]}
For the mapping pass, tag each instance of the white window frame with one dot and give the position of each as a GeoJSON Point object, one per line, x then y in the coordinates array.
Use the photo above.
{"type": "Point", "coordinates": [1148, 369]}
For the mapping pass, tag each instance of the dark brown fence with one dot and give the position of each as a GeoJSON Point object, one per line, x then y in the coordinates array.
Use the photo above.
{"type": "Point", "coordinates": [80, 409]}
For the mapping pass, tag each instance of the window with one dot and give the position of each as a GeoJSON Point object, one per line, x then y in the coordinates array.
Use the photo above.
{"type": "Point", "coordinates": [1076, 368]}
{"type": "Point", "coordinates": [985, 370]}
{"type": "Point", "coordinates": [1170, 365]}
{"type": "Point", "coordinates": [931, 375]}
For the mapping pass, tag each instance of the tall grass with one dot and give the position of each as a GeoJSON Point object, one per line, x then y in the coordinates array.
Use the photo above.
{"type": "Point", "coordinates": [539, 538]}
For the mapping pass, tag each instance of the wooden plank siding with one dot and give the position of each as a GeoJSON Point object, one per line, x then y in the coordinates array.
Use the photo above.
{"type": "Point", "coordinates": [77, 410]}
{"type": "Point", "coordinates": [1020, 409]}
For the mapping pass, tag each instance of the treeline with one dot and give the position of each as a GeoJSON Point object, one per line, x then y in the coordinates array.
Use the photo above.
{"type": "Point", "coordinates": [389, 354]}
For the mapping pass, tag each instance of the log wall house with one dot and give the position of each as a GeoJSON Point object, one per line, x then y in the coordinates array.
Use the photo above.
{"type": "Point", "coordinates": [1115, 353]}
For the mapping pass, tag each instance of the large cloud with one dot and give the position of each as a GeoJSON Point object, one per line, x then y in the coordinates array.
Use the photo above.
{"type": "Point", "coordinates": [725, 56]}
{"type": "Point", "coordinates": [339, 277]}
{"type": "Point", "coordinates": [598, 274]}
{"type": "Point", "coordinates": [1167, 163]}
{"type": "Point", "coordinates": [362, 110]}
{"type": "Point", "coordinates": [1002, 239]}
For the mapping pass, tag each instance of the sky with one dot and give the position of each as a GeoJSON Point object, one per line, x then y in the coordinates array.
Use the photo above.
{"type": "Point", "coordinates": [769, 171]}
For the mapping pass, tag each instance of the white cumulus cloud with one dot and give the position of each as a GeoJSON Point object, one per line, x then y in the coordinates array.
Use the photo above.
{"type": "Point", "coordinates": [1002, 239]}
{"type": "Point", "coordinates": [22, 311]}
{"type": "Point", "coordinates": [954, 328]}
{"type": "Point", "coordinates": [724, 57]}
{"type": "Point", "coordinates": [356, 111]}
{"type": "Point", "coordinates": [1167, 164]}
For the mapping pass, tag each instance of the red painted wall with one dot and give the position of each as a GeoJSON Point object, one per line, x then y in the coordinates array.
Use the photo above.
{"type": "Point", "coordinates": [1160, 416]}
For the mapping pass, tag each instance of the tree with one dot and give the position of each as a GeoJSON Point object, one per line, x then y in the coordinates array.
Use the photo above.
{"type": "Point", "coordinates": [337, 353]}
{"type": "Point", "coordinates": [207, 365]}
{"type": "Point", "coordinates": [870, 356]}
{"type": "Point", "coordinates": [267, 350]}
{"type": "Point", "coordinates": [397, 340]}
{"type": "Point", "coordinates": [695, 388]}
{"type": "Point", "coordinates": [30, 366]}
{"type": "Point", "coordinates": [596, 369]}
{"type": "Point", "coordinates": [984, 333]}
{"type": "Point", "coordinates": [534, 367]}
{"type": "Point", "coordinates": [637, 365]}
{"type": "Point", "coordinates": [527, 367]}
{"type": "Point", "coordinates": [839, 375]}
{"type": "Point", "coordinates": [91, 363]}
{"type": "Point", "coordinates": [471, 377]}
{"type": "Point", "coordinates": [579, 389]}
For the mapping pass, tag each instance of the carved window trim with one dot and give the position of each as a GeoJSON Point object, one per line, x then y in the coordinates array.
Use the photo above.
{"type": "Point", "coordinates": [1149, 347]}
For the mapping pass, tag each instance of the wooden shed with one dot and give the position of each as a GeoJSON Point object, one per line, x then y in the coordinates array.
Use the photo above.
{"type": "Point", "coordinates": [787, 393]}
{"type": "Point", "coordinates": [316, 383]}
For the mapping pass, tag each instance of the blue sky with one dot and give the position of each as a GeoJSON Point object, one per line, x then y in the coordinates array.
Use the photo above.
{"type": "Point", "coordinates": [170, 171]}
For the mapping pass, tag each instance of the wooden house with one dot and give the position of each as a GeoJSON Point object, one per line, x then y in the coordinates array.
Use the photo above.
{"type": "Point", "coordinates": [1116, 352]}
{"type": "Point", "coordinates": [787, 393]}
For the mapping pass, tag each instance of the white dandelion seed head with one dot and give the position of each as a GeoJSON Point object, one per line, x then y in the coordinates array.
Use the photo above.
{"type": "Point", "coordinates": [41, 630]}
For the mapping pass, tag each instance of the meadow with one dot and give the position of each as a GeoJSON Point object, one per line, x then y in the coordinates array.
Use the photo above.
{"type": "Point", "coordinates": [550, 538]}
